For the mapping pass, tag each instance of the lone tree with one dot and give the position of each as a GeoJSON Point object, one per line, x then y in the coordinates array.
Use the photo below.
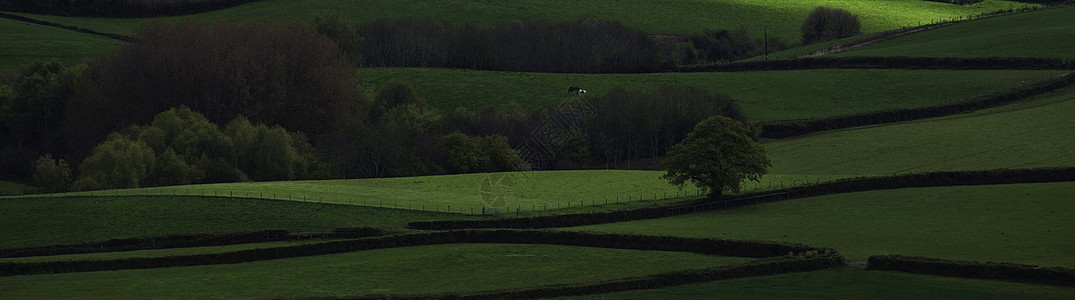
{"type": "Point", "coordinates": [716, 157]}
{"type": "Point", "coordinates": [826, 23]}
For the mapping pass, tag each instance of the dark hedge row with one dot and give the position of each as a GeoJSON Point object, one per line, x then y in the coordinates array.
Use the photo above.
{"type": "Point", "coordinates": [755, 268]}
{"type": "Point", "coordinates": [181, 241]}
{"type": "Point", "coordinates": [973, 269]}
{"type": "Point", "coordinates": [843, 186]}
{"type": "Point", "coordinates": [57, 25]}
{"type": "Point", "coordinates": [117, 8]}
{"type": "Point", "coordinates": [797, 128]}
{"type": "Point", "coordinates": [893, 62]}
{"type": "Point", "coordinates": [504, 236]}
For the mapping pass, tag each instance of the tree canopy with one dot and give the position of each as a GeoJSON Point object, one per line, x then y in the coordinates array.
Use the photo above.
{"type": "Point", "coordinates": [717, 156]}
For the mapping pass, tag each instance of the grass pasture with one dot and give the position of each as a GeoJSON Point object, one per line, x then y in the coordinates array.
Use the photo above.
{"type": "Point", "coordinates": [157, 252]}
{"type": "Point", "coordinates": [1032, 133]}
{"type": "Point", "coordinates": [764, 96]}
{"type": "Point", "coordinates": [555, 191]}
{"type": "Point", "coordinates": [1022, 223]}
{"type": "Point", "coordinates": [50, 221]}
{"type": "Point", "coordinates": [1047, 33]}
{"type": "Point", "coordinates": [849, 284]}
{"type": "Point", "coordinates": [25, 43]}
{"type": "Point", "coordinates": [421, 269]}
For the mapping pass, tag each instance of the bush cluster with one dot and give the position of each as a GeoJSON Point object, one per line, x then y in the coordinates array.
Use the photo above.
{"type": "Point", "coordinates": [973, 269]}
{"type": "Point", "coordinates": [826, 23]}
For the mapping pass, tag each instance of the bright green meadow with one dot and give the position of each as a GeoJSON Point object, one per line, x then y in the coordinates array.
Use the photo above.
{"type": "Point", "coordinates": [764, 96]}
{"type": "Point", "coordinates": [1029, 134]}
{"type": "Point", "coordinates": [1022, 223]}
{"type": "Point", "coordinates": [849, 284]}
{"type": "Point", "coordinates": [665, 17]}
{"type": "Point", "coordinates": [24, 44]}
{"type": "Point", "coordinates": [1047, 33]}
{"type": "Point", "coordinates": [422, 269]}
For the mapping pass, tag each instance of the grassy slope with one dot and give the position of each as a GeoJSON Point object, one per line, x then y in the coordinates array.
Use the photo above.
{"type": "Point", "coordinates": [1049, 33]}
{"type": "Point", "coordinates": [1024, 223]}
{"type": "Point", "coordinates": [669, 17]}
{"type": "Point", "coordinates": [46, 221]}
{"type": "Point", "coordinates": [850, 284]}
{"type": "Point", "coordinates": [764, 96]}
{"type": "Point", "coordinates": [26, 43]}
{"type": "Point", "coordinates": [157, 252]}
{"type": "Point", "coordinates": [424, 269]}
{"type": "Point", "coordinates": [1037, 133]}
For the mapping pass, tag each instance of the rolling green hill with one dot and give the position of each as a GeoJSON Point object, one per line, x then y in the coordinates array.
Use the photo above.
{"type": "Point", "coordinates": [1029, 134]}
{"type": "Point", "coordinates": [25, 43]}
{"type": "Point", "coordinates": [1048, 33]}
{"type": "Point", "coordinates": [666, 17]}
{"type": "Point", "coordinates": [764, 96]}
{"type": "Point", "coordinates": [422, 269]}
{"type": "Point", "coordinates": [1022, 223]}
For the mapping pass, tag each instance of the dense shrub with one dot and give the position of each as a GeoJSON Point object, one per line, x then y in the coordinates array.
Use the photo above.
{"type": "Point", "coordinates": [32, 105]}
{"type": "Point", "coordinates": [826, 23]}
{"type": "Point", "coordinates": [724, 45]}
{"type": "Point", "coordinates": [51, 175]}
{"type": "Point", "coordinates": [273, 73]}
{"type": "Point", "coordinates": [117, 163]}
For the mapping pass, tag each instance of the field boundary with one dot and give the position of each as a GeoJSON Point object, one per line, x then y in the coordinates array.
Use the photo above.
{"type": "Point", "coordinates": [934, 179]}
{"type": "Point", "coordinates": [973, 269]}
{"type": "Point", "coordinates": [18, 18]}
{"type": "Point", "coordinates": [755, 249]}
{"type": "Point", "coordinates": [787, 129]}
{"type": "Point", "coordinates": [186, 241]}
{"type": "Point", "coordinates": [755, 268]}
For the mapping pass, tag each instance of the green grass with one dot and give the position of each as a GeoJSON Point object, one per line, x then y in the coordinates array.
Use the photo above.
{"type": "Point", "coordinates": [48, 221]}
{"type": "Point", "coordinates": [1023, 223]}
{"type": "Point", "coordinates": [1029, 134]}
{"type": "Point", "coordinates": [423, 269]}
{"type": "Point", "coordinates": [763, 96]}
{"type": "Point", "coordinates": [849, 284]}
{"type": "Point", "coordinates": [1049, 33]}
{"type": "Point", "coordinates": [25, 43]}
{"type": "Point", "coordinates": [544, 192]}
{"type": "Point", "coordinates": [668, 17]}
{"type": "Point", "coordinates": [158, 252]}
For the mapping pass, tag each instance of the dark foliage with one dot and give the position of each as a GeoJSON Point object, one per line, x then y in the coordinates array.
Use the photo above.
{"type": "Point", "coordinates": [32, 105]}
{"type": "Point", "coordinates": [826, 23]}
{"type": "Point", "coordinates": [724, 45]}
{"type": "Point", "coordinates": [798, 128]}
{"type": "Point", "coordinates": [117, 8]}
{"type": "Point", "coordinates": [973, 269]}
{"type": "Point", "coordinates": [274, 73]}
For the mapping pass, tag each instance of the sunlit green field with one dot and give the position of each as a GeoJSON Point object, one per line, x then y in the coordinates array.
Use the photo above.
{"type": "Point", "coordinates": [849, 284]}
{"type": "Point", "coordinates": [1029, 134]}
{"type": "Point", "coordinates": [422, 269]}
{"type": "Point", "coordinates": [1049, 33]}
{"type": "Point", "coordinates": [667, 17]}
{"type": "Point", "coordinates": [764, 96]}
{"type": "Point", "coordinates": [1023, 223]}
{"type": "Point", "coordinates": [24, 44]}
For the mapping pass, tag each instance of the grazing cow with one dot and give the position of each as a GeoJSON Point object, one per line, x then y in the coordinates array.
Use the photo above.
{"type": "Point", "coordinates": [573, 89]}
